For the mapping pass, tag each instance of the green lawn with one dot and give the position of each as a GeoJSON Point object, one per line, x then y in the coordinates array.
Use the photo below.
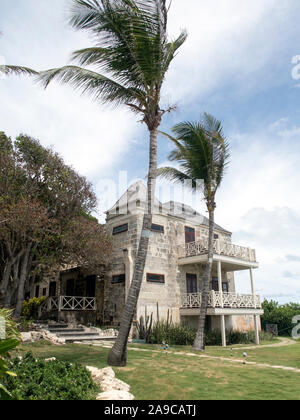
{"type": "Point", "coordinates": [157, 376]}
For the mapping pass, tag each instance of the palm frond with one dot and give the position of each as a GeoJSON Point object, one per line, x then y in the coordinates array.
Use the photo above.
{"type": "Point", "coordinates": [87, 81]}
{"type": "Point", "coordinates": [18, 70]}
{"type": "Point", "coordinates": [131, 49]}
{"type": "Point", "coordinates": [202, 152]}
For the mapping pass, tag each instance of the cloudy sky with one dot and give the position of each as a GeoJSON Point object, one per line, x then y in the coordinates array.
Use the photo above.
{"type": "Point", "coordinates": [240, 63]}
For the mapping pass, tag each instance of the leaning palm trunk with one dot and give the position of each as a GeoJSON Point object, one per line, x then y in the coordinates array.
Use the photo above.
{"type": "Point", "coordinates": [199, 343]}
{"type": "Point", "coordinates": [118, 354]}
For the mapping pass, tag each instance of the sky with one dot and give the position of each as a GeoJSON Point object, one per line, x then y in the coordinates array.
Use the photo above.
{"type": "Point", "coordinates": [241, 63]}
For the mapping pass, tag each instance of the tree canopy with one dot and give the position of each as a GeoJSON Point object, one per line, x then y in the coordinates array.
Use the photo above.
{"type": "Point", "coordinates": [45, 217]}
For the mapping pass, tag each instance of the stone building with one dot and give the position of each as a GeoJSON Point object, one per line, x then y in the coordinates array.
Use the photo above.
{"type": "Point", "coordinates": [173, 273]}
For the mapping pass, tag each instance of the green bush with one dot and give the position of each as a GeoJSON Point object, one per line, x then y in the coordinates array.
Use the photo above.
{"type": "Point", "coordinates": [183, 335]}
{"type": "Point", "coordinates": [214, 338]}
{"type": "Point", "coordinates": [56, 380]}
{"type": "Point", "coordinates": [31, 308]}
{"type": "Point", "coordinates": [176, 335]}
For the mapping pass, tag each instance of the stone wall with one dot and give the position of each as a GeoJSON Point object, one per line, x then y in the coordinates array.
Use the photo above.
{"type": "Point", "coordinates": [162, 259]}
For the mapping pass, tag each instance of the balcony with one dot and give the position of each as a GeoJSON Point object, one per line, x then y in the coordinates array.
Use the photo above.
{"type": "Point", "coordinates": [233, 257]}
{"type": "Point", "coordinates": [221, 300]}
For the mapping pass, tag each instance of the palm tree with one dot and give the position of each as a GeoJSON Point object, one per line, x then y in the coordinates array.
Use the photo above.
{"type": "Point", "coordinates": [203, 154]}
{"type": "Point", "coordinates": [134, 52]}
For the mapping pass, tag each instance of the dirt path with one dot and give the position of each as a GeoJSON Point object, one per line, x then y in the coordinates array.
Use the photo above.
{"type": "Point", "coordinates": [283, 342]}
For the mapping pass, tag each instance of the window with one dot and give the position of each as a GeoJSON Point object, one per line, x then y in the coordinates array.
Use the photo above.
{"type": "Point", "coordinates": [37, 291]}
{"type": "Point", "coordinates": [225, 287]}
{"type": "Point", "coordinates": [191, 283]}
{"type": "Point", "coordinates": [216, 236]}
{"type": "Point", "coordinates": [119, 279]}
{"type": "Point", "coordinates": [157, 228]}
{"type": "Point", "coordinates": [52, 289]}
{"type": "Point", "coordinates": [190, 235]}
{"type": "Point", "coordinates": [90, 286]}
{"type": "Point", "coordinates": [215, 285]}
{"type": "Point", "coordinates": [44, 291]}
{"type": "Point", "coordinates": [120, 229]}
{"type": "Point", "coordinates": [70, 288]}
{"type": "Point", "coordinates": [156, 278]}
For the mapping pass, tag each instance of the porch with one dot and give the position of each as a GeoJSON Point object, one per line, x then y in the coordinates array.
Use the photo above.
{"type": "Point", "coordinates": [67, 303]}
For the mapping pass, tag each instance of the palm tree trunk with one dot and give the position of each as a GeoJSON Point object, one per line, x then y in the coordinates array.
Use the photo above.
{"type": "Point", "coordinates": [199, 344]}
{"type": "Point", "coordinates": [118, 354]}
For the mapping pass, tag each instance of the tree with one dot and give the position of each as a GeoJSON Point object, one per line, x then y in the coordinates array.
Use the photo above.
{"type": "Point", "coordinates": [282, 315]}
{"type": "Point", "coordinates": [134, 52]}
{"type": "Point", "coordinates": [202, 153]}
{"type": "Point", "coordinates": [45, 218]}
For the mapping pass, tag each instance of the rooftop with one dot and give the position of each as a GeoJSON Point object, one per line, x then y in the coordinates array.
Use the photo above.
{"type": "Point", "coordinates": [134, 201]}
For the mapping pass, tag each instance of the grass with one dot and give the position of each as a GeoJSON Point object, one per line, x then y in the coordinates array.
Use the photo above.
{"type": "Point", "coordinates": [157, 376]}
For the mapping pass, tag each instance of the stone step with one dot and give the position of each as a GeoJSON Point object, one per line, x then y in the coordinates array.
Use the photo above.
{"type": "Point", "coordinates": [86, 338]}
{"type": "Point", "coordinates": [57, 326]}
{"type": "Point", "coordinates": [78, 334]}
{"type": "Point", "coordinates": [66, 330]}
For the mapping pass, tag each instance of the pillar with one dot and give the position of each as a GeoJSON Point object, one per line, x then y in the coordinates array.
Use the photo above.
{"type": "Point", "coordinates": [256, 328]}
{"type": "Point", "coordinates": [220, 283]}
{"type": "Point", "coordinates": [223, 331]}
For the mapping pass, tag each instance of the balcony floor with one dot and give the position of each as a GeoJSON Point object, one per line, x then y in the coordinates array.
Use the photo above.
{"type": "Point", "coordinates": [229, 264]}
{"type": "Point", "coordinates": [221, 311]}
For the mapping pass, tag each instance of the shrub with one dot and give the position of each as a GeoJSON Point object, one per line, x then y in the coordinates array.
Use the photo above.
{"type": "Point", "coordinates": [31, 308]}
{"type": "Point", "coordinates": [56, 380]}
{"type": "Point", "coordinates": [176, 335]}
{"type": "Point", "coordinates": [214, 338]}
{"type": "Point", "coordinates": [183, 335]}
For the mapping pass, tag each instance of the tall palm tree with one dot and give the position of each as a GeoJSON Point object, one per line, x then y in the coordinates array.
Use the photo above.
{"type": "Point", "coordinates": [203, 154]}
{"type": "Point", "coordinates": [133, 50]}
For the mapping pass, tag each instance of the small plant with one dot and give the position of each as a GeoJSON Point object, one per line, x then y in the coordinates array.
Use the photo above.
{"type": "Point", "coordinates": [31, 308]}
{"type": "Point", "coordinates": [53, 380]}
{"type": "Point", "coordinates": [11, 341]}
{"type": "Point", "coordinates": [144, 327]}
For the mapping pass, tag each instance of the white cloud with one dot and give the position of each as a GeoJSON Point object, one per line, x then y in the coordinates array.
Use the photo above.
{"type": "Point", "coordinates": [231, 43]}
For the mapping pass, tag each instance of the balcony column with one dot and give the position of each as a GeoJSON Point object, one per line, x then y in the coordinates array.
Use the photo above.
{"type": "Point", "coordinates": [256, 329]}
{"type": "Point", "coordinates": [220, 283]}
{"type": "Point", "coordinates": [223, 331]}
{"type": "Point", "coordinates": [223, 325]}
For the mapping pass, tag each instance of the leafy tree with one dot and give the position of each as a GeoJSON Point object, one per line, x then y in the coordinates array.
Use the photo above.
{"type": "Point", "coordinates": [45, 218]}
{"type": "Point", "coordinates": [134, 53]}
{"type": "Point", "coordinates": [282, 315]}
{"type": "Point", "coordinates": [202, 153]}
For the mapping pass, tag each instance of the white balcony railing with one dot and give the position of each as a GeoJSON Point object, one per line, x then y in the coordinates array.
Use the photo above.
{"type": "Point", "coordinates": [68, 303]}
{"type": "Point", "coordinates": [215, 299]}
{"type": "Point", "coordinates": [221, 248]}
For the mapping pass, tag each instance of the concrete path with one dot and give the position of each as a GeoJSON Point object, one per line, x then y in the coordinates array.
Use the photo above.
{"type": "Point", "coordinates": [284, 342]}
